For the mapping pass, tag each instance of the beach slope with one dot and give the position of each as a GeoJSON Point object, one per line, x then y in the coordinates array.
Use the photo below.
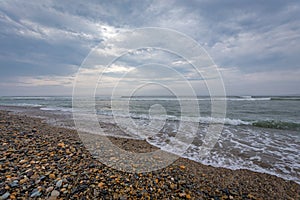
{"type": "Point", "coordinates": [39, 161]}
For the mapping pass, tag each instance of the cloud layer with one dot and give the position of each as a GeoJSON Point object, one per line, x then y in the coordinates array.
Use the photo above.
{"type": "Point", "coordinates": [254, 43]}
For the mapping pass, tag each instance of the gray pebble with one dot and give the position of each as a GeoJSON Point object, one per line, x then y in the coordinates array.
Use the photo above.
{"type": "Point", "coordinates": [55, 193]}
{"type": "Point", "coordinates": [59, 183]}
{"type": "Point", "coordinates": [73, 173]}
{"type": "Point", "coordinates": [49, 189]}
{"type": "Point", "coordinates": [14, 184]}
{"type": "Point", "coordinates": [5, 196]}
{"type": "Point", "coordinates": [35, 193]}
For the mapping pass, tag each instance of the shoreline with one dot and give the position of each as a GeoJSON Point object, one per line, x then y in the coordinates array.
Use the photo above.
{"type": "Point", "coordinates": [42, 161]}
{"type": "Point", "coordinates": [65, 119]}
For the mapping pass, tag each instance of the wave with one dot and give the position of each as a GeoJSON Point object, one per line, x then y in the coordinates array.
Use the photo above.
{"type": "Point", "coordinates": [229, 98]}
{"type": "Point", "coordinates": [260, 98]}
{"type": "Point", "coordinates": [25, 98]}
{"type": "Point", "coordinates": [282, 125]}
{"type": "Point", "coordinates": [201, 120]}
{"type": "Point", "coordinates": [21, 104]}
{"type": "Point", "coordinates": [35, 98]}
{"type": "Point", "coordinates": [227, 121]}
{"type": "Point", "coordinates": [285, 98]}
{"type": "Point", "coordinates": [56, 109]}
{"type": "Point", "coordinates": [277, 125]}
{"type": "Point", "coordinates": [248, 98]}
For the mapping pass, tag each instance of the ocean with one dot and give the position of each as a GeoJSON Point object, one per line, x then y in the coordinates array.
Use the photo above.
{"type": "Point", "coordinates": [260, 133]}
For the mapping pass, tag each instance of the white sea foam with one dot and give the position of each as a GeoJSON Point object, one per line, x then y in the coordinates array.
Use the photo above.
{"type": "Point", "coordinates": [56, 109]}
{"type": "Point", "coordinates": [22, 104]}
{"type": "Point", "coordinates": [245, 149]}
{"type": "Point", "coordinates": [207, 120]}
{"type": "Point", "coordinates": [249, 99]}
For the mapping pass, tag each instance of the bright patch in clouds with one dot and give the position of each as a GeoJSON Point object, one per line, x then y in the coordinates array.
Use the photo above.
{"type": "Point", "coordinates": [118, 69]}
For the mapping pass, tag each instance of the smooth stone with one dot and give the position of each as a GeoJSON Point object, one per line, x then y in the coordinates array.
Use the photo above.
{"type": "Point", "coordinates": [49, 189]}
{"type": "Point", "coordinates": [29, 173]}
{"type": "Point", "coordinates": [80, 188]}
{"type": "Point", "coordinates": [52, 176]}
{"type": "Point", "coordinates": [23, 161]}
{"type": "Point", "coordinates": [42, 178]}
{"type": "Point", "coordinates": [55, 193]}
{"type": "Point", "coordinates": [59, 183]}
{"type": "Point", "coordinates": [73, 173]}
{"type": "Point", "coordinates": [14, 184]}
{"type": "Point", "coordinates": [35, 193]}
{"type": "Point", "coordinates": [2, 190]}
{"type": "Point", "coordinates": [5, 196]}
{"type": "Point", "coordinates": [22, 181]}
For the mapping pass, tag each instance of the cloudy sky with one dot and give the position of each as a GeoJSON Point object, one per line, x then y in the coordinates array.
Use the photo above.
{"type": "Point", "coordinates": [254, 44]}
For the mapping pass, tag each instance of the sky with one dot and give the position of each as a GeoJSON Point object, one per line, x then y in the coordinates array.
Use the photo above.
{"type": "Point", "coordinates": [45, 45]}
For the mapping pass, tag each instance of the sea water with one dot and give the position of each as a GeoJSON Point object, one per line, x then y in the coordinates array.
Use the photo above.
{"type": "Point", "coordinates": [260, 133]}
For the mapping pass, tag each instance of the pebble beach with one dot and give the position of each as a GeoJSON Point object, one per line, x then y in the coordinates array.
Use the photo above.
{"type": "Point", "coordinates": [40, 161]}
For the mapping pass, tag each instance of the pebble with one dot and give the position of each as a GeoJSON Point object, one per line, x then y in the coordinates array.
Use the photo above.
{"type": "Point", "coordinates": [23, 161]}
{"type": "Point", "coordinates": [100, 185]}
{"type": "Point", "coordinates": [80, 188]}
{"type": "Point", "coordinates": [61, 144]}
{"type": "Point", "coordinates": [49, 189]}
{"type": "Point", "coordinates": [29, 173]}
{"type": "Point", "coordinates": [15, 183]}
{"type": "Point", "coordinates": [22, 181]}
{"type": "Point", "coordinates": [52, 176]}
{"type": "Point", "coordinates": [5, 196]}
{"type": "Point", "coordinates": [55, 193]}
{"type": "Point", "coordinates": [73, 173]}
{"type": "Point", "coordinates": [123, 197]}
{"type": "Point", "coordinates": [182, 167]}
{"type": "Point", "coordinates": [42, 178]}
{"type": "Point", "coordinates": [59, 183]}
{"type": "Point", "coordinates": [35, 193]}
